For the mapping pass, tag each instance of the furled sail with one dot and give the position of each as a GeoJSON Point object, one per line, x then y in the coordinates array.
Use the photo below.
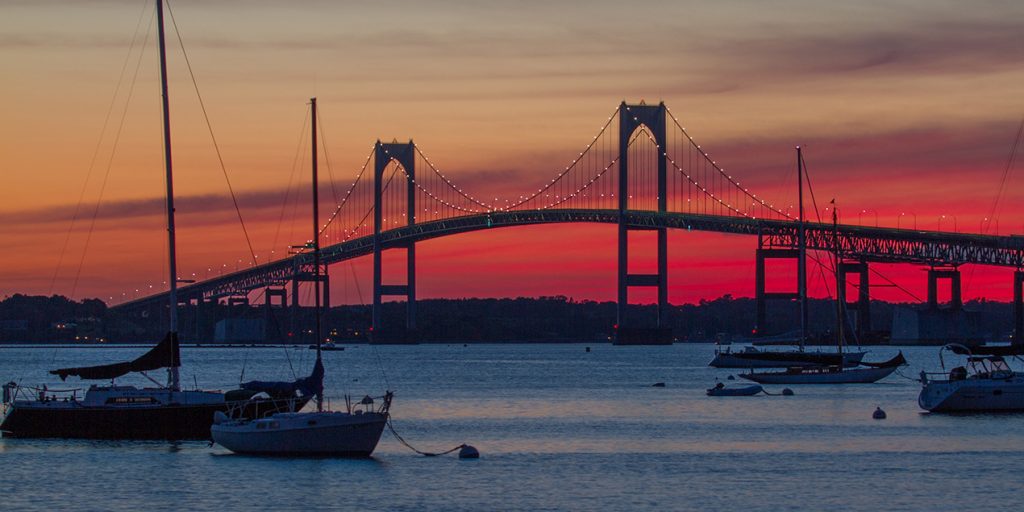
{"type": "Point", "coordinates": [165, 354]}
{"type": "Point", "coordinates": [308, 386]}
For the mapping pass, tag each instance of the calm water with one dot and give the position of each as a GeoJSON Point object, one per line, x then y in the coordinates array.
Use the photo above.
{"type": "Point", "coordinates": [558, 429]}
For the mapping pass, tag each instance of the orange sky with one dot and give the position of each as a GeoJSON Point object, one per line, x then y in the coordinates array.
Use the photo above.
{"type": "Point", "coordinates": [902, 108]}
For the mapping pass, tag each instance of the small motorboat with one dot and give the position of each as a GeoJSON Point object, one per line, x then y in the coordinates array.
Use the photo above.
{"type": "Point", "coordinates": [721, 390]}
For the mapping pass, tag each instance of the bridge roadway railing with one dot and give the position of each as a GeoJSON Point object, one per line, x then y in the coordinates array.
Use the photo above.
{"type": "Point", "coordinates": [874, 244]}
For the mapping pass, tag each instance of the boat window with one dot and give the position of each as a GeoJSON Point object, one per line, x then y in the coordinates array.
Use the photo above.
{"type": "Point", "coordinates": [274, 424]}
{"type": "Point", "coordinates": [131, 400]}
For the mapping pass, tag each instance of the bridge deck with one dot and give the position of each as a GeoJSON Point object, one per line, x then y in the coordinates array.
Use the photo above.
{"type": "Point", "coordinates": [873, 244]}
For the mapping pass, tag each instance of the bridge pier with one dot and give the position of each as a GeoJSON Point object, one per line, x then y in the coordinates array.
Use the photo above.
{"type": "Point", "coordinates": [863, 303]}
{"type": "Point", "coordinates": [953, 275]}
{"type": "Point", "coordinates": [761, 295]}
{"type": "Point", "coordinates": [306, 276]}
{"type": "Point", "coordinates": [632, 117]}
{"type": "Point", "coordinates": [405, 155]}
{"type": "Point", "coordinates": [1018, 307]}
{"type": "Point", "coordinates": [272, 328]}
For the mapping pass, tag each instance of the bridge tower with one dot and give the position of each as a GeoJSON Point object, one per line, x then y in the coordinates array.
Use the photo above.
{"type": "Point", "coordinates": [405, 155]}
{"type": "Point", "coordinates": [631, 118]}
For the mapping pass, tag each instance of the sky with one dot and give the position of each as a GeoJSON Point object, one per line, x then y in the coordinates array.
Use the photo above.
{"type": "Point", "coordinates": [907, 112]}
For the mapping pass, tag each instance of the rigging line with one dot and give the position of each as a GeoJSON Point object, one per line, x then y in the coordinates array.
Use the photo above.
{"type": "Point", "coordinates": [209, 126]}
{"type": "Point", "coordinates": [110, 162]}
{"type": "Point", "coordinates": [99, 143]}
{"type": "Point", "coordinates": [810, 188]}
{"type": "Point", "coordinates": [999, 192]}
{"type": "Point", "coordinates": [327, 158]}
{"type": "Point", "coordinates": [814, 202]}
{"type": "Point", "coordinates": [1006, 172]}
{"type": "Point", "coordinates": [298, 199]}
{"type": "Point", "coordinates": [291, 177]}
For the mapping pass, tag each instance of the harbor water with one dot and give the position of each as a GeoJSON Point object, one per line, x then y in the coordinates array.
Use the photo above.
{"type": "Point", "coordinates": [558, 428]}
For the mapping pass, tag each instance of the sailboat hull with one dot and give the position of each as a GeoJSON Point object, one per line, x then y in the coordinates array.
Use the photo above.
{"type": "Point", "coordinates": [304, 434]}
{"type": "Point", "coordinates": [75, 420]}
{"type": "Point", "coordinates": [822, 376]}
{"type": "Point", "coordinates": [973, 395]}
{"type": "Point", "coordinates": [788, 359]}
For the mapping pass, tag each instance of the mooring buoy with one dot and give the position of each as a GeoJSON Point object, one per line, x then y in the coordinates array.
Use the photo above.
{"type": "Point", "coordinates": [469, 452]}
{"type": "Point", "coordinates": [588, 349]}
{"type": "Point", "coordinates": [787, 392]}
{"type": "Point", "coordinates": [879, 414]}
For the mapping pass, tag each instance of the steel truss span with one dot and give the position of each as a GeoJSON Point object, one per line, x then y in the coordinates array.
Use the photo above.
{"type": "Point", "coordinates": [884, 245]}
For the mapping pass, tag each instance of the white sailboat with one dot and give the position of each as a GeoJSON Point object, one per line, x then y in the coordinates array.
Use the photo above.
{"type": "Point", "coordinates": [985, 384]}
{"type": "Point", "coordinates": [353, 432]}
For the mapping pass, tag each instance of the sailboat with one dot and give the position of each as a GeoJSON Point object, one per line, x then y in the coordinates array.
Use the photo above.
{"type": "Point", "coordinates": [125, 412]}
{"type": "Point", "coordinates": [832, 374]}
{"type": "Point", "coordinates": [985, 384]}
{"type": "Point", "coordinates": [354, 432]}
{"type": "Point", "coordinates": [752, 357]}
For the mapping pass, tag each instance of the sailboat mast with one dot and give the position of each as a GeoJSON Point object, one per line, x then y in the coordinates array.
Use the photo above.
{"type": "Point", "coordinates": [316, 247]}
{"type": "Point", "coordinates": [172, 279]}
{"type": "Point", "coordinates": [839, 283]}
{"type": "Point", "coordinates": [801, 264]}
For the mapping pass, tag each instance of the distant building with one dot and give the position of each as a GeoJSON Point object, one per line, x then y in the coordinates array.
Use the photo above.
{"type": "Point", "coordinates": [13, 325]}
{"type": "Point", "coordinates": [239, 330]}
{"type": "Point", "coordinates": [923, 325]}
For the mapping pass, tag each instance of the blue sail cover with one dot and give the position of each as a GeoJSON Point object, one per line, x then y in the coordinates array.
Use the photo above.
{"type": "Point", "coordinates": [308, 386]}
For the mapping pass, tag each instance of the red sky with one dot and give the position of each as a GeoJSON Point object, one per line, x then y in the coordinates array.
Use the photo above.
{"type": "Point", "coordinates": [907, 113]}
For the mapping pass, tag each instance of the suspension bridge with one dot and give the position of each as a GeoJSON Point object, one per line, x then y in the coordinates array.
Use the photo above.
{"type": "Point", "coordinates": [641, 172]}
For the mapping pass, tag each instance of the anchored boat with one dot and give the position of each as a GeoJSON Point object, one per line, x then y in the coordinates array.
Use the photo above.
{"type": "Point", "coordinates": [833, 373]}
{"type": "Point", "coordinates": [352, 432]}
{"type": "Point", "coordinates": [873, 372]}
{"type": "Point", "coordinates": [752, 357]}
{"type": "Point", "coordinates": [986, 383]}
{"type": "Point", "coordinates": [165, 411]}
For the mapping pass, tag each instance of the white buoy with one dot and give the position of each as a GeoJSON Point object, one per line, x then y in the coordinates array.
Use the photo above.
{"type": "Point", "coordinates": [468, 452]}
{"type": "Point", "coordinates": [879, 414]}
